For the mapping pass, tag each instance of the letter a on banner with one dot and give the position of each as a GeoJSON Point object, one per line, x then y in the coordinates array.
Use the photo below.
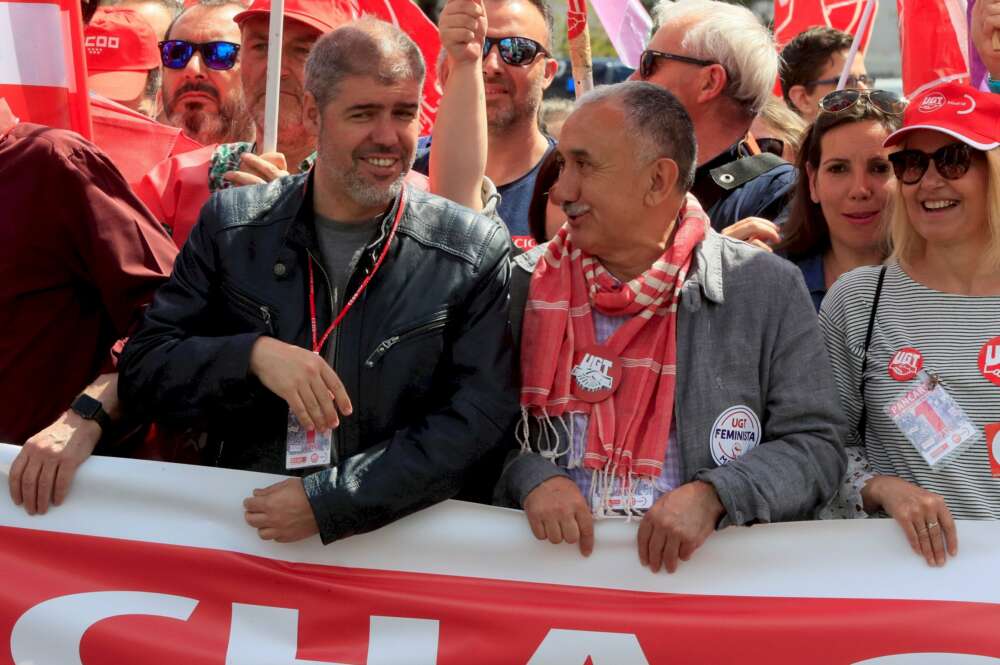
{"type": "Point", "coordinates": [572, 647]}
{"type": "Point", "coordinates": [42, 67]}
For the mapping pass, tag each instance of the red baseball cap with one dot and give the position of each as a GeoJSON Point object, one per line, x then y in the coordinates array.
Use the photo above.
{"type": "Point", "coordinates": [121, 49]}
{"type": "Point", "coordinates": [960, 111]}
{"type": "Point", "coordinates": [323, 15]}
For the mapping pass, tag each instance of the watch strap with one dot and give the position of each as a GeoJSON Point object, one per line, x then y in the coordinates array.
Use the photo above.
{"type": "Point", "coordinates": [89, 408]}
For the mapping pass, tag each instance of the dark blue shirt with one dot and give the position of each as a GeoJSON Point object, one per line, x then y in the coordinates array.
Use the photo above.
{"type": "Point", "coordinates": [515, 197]}
{"type": "Point", "coordinates": [812, 272]}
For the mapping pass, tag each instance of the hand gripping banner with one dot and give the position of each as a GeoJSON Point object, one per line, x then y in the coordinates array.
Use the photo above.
{"type": "Point", "coordinates": [152, 563]}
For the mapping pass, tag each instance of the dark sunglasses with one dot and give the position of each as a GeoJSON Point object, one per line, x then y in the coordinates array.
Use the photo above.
{"type": "Point", "coordinates": [647, 61]}
{"type": "Point", "coordinates": [175, 53]}
{"type": "Point", "coordinates": [852, 81]}
{"type": "Point", "coordinates": [951, 161]}
{"type": "Point", "coordinates": [517, 51]}
{"type": "Point", "coordinates": [841, 100]}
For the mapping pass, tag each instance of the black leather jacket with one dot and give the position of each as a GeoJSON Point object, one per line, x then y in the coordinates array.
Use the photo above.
{"type": "Point", "coordinates": [424, 353]}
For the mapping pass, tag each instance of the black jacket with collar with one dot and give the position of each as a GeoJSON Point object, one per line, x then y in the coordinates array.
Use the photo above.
{"type": "Point", "coordinates": [424, 353]}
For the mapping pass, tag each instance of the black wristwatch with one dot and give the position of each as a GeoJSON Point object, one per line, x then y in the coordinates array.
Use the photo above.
{"type": "Point", "coordinates": [89, 408]}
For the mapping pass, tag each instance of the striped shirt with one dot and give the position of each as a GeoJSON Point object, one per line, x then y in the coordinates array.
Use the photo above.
{"type": "Point", "coordinates": [949, 331]}
{"type": "Point", "coordinates": [670, 478]}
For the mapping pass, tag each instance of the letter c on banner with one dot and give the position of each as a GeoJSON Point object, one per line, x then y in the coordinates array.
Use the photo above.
{"type": "Point", "coordinates": [50, 632]}
{"type": "Point", "coordinates": [572, 647]}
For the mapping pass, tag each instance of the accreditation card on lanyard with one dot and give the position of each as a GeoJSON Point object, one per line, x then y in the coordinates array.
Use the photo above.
{"type": "Point", "coordinates": [306, 448]}
{"type": "Point", "coordinates": [932, 421]}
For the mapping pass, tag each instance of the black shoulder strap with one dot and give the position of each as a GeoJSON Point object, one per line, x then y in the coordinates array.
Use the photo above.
{"type": "Point", "coordinates": [863, 421]}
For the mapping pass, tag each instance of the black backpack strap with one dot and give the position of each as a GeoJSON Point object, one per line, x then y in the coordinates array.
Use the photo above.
{"type": "Point", "coordinates": [863, 421]}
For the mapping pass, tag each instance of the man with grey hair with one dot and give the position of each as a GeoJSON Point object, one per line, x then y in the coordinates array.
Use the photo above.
{"type": "Point", "coordinates": [720, 61]}
{"type": "Point", "coordinates": [338, 326]}
{"type": "Point", "coordinates": [635, 400]}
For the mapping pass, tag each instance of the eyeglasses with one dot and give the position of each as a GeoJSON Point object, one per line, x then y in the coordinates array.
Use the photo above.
{"type": "Point", "coordinates": [839, 101]}
{"type": "Point", "coordinates": [647, 61]}
{"type": "Point", "coordinates": [951, 161]}
{"type": "Point", "coordinates": [517, 51]}
{"type": "Point", "coordinates": [852, 81]}
{"type": "Point", "coordinates": [176, 53]}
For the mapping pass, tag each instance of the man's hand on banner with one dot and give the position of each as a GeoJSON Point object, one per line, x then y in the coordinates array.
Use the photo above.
{"type": "Point", "coordinates": [43, 471]}
{"type": "Point", "coordinates": [558, 512]}
{"type": "Point", "coordinates": [985, 24]}
{"type": "Point", "coordinates": [462, 25]}
{"type": "Point", "coordinates": [281, 512]}
{"type": "Point", "coordinates": [923, 515]}
{"type": "Point", "coordinates": [303, 379]}
{"type": "Point", "coordinates": [255, 169]}
{"type": "Point", "coordinates": [678, 524]}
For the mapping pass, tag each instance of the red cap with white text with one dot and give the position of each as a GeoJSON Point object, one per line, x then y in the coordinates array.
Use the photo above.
{"type": "Point", "coordinates": [962, 112]}
{"type": "Point", "coordinates": [121, 49]}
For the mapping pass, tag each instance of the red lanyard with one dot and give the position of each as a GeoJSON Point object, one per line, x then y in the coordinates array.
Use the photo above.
{"type": "Point", "coordinates": [350, 303]}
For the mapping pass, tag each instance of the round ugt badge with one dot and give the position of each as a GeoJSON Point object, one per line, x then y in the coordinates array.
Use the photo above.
{"type": "Point", "coordinates": [735, 432]}
{"type": "Point", "coordinates": [989, 361]}
{"type": "Point", "coordinates": [906, 363]}
{"type": "Point", "coordinates": [596, 374]}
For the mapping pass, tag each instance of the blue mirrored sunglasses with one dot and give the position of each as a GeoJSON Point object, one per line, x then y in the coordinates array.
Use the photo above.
{"type": "Point", "coordinates": [175, 53]}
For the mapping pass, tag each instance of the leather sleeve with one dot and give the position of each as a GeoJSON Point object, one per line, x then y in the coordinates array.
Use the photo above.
{"type": "Point", "coordinates": [173, 367]}
{"type": "Point", "coordinates": [426, 462]}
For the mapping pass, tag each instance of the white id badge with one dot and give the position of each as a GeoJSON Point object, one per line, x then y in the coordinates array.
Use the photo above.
{"type": "Point", "coordinates": [641, 499]}
{"type": "Point", "coordinates": [303, 448]}
{"type": "Point", "coordinates": [932, 421]}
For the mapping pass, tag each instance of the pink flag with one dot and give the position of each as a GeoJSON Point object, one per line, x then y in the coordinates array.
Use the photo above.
{"type": "Point", "coordinates": [628, 26]}
{"type": "Point", "coordinates": [42, 67]}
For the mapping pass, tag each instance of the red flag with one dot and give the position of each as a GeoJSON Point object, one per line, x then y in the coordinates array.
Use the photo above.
{"type": "Point", "coordinates": [42, 66]}
{"type": "Point", "coordinates": [794, 16]}
{"type": "Point", "coordinates": [933, 42]}
{"type": "Point", "coordinates": [412, 20]}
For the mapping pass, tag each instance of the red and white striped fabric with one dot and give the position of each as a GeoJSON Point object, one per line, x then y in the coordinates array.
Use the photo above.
{"type": "Point", "coordinates": [412, 20]}
{"type": "Point", "coordinates": [794, 16]}
{"type": "Point", "coordinates": [42, 66]}
{"type": "Point", "coordinates": [933, 42]}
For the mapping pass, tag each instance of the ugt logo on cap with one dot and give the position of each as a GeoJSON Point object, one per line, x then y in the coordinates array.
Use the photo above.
{"type": "Point", "coordinates": [932, 102]}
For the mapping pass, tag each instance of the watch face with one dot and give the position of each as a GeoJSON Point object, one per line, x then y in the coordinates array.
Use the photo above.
{"type": "Point", "coordinates": [87, 406]}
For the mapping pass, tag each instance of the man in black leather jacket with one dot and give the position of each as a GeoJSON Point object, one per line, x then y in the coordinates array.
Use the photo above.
{"type": "Point", "coordinates": [415, 382]}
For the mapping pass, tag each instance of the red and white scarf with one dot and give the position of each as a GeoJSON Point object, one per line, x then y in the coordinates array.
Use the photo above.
{"type": "Point", "coordinates": [627, 433]}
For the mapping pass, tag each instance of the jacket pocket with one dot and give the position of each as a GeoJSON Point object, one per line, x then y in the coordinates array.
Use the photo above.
{"type": "Point", "coordinates": [431, 326]}
{"type": "Point", "coordinates": [245, 307]}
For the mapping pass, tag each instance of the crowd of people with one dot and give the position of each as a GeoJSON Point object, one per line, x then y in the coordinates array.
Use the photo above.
{"type": "Point", "coordinates": [610, 312]}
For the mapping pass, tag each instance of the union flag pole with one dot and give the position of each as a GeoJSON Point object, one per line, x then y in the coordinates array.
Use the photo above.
{"type": "Point", "coordinates": [579, 46]}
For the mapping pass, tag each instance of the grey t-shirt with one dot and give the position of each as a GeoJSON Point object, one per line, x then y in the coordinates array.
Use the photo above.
{"type": "Point", "coordinates": [341, 245]}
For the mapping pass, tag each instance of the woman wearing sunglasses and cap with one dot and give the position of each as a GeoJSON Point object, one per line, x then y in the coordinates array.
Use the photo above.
{"type": "Point", "coordinates": [844, 183]}
{"type": "Point", "coordinates": [915, 344]}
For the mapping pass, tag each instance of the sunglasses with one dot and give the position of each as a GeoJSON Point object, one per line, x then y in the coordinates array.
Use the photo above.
{"type": "Point", "coordinates": [176, 53]}
{"type": "Point", "coordinates": [852, 81]}
{"type": "Point", "coordinates": [839, 101]}
{"type": "Point", "coordinates": [647, 61]}
{"type": "Point", "coordinates": [951, 161]}
{"type": "Point", "coordinates": [517, 51]}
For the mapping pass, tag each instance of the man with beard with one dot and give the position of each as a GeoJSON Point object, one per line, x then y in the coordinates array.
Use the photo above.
{"type": "Point", "coordinates": [517, 68]}
{"type": "Point", "coordinates": [175, 189]}
{"type": "Point", "coordinates": [202, 93]}
{"type": "Point", "coordinates": [338, 326]}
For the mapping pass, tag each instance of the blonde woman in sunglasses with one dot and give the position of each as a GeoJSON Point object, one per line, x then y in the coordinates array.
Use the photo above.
{"type": "Point", "coordinates": [915, 344]}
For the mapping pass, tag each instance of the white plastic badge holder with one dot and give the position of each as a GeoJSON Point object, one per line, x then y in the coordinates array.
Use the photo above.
{"type": "Point", "coordinates": [304, 448]}
{"type": "Point", "coordinates": [932, 421]}
{"type": "Point", "coordinates": [619, 503]}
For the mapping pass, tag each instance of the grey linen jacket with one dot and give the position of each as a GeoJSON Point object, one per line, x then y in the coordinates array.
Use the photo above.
{"type": "Point", "coordinates": [747, 334]}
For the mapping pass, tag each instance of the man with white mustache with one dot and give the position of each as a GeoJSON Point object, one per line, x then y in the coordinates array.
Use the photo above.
{"type": "Point", "coordinates": [668, 374]}
{"type": "Point", "coordinates": [339, 326]}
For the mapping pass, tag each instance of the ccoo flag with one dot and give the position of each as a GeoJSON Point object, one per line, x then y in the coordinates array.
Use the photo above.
{"type": "Point", "coordinates": [42, 66]}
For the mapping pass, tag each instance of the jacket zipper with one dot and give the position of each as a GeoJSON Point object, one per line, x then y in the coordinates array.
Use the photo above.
{"type": "Point", "coordinates": [386, 344]}
{"type": "Point", "coordinates": [334, 438]}
{"type": "Point", "coordinates": [253, 307]}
